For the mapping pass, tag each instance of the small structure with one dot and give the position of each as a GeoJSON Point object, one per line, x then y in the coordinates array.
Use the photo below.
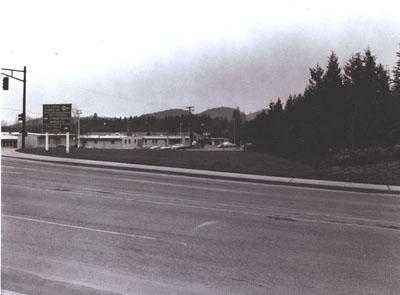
{"type": "Point", "coordinates": [9, 140]}
{"type": "Point", "coordinates": [115, 141]}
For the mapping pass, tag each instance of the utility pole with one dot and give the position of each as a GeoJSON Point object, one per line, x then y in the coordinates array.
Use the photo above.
{"type": "Point", "coordinates": [180, 133]}
{"type": "Point", "coordinates": [234, 131]}
{"type": "Point", "coordinates": [79, 112]}
{"type": "Point", "coordinates": [190, 110]}
{"type": "Point", "coordinates": [23, 115]}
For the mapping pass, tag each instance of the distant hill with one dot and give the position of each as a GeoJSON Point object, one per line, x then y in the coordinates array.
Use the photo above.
{"type": "Point", "coordinates": [167, 113]}
{"type": "Point", "coordinates": [252, 116]}
{"type": "Point", "coordinates": [221, 112]}
{"type": "Point", "coordinates": [32, 125]}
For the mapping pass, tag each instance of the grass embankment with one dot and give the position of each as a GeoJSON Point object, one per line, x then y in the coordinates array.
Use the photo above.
{"type": "Point", "coordinates": [227, 161]}
{"type": "Point", "coordinates": [382, 172]}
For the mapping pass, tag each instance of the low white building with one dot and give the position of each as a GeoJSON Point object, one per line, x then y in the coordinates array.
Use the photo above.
{"type": "Point", "coordinates": [9, 140]}
{"type": "Point", "coordinates": [115, 141]}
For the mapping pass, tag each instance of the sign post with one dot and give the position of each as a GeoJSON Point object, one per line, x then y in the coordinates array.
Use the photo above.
{"type": "Point", "coordinates": [46, 147]}
{"type": "Point", "coordinates": [67, 143]}
{"type": "Point", "coordinates": [57, 119]}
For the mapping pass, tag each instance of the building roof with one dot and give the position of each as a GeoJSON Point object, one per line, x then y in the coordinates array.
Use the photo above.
{"type": "Point", "coordinates": [164, 137]}
{"type": "Point", "coordinates": [8, 136]}
{"type": "Point", "coordinates": [50, 134]}
{"type": "Point", "coordinates": [102, 137]}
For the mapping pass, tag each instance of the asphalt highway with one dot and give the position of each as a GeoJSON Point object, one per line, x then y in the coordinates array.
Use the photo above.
{"type": "Point", "coordinates": [79, 230]}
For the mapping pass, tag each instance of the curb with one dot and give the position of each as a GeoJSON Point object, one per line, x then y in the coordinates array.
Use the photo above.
{"type": "Point", "coordinates": [274, 180]}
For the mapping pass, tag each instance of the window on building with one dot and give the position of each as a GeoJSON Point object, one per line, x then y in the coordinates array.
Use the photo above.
{"type": "Point", "coordinates": [112, 141]}
{"type": "Point", "coordinates": [125, 141]}
{"type": "Point", "coordinates": [134, 141]}
{"type": "Point", "coordinates": [95, 141]}
{"type": "Point", "coordinates": [129, 141]}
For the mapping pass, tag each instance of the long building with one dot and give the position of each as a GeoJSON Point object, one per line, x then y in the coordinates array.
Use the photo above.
{"type": "Point", "coordinates": [115, 141]}
{"type": "Point", "coordinates": [95, 141]}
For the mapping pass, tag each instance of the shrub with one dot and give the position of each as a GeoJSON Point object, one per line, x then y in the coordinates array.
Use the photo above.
{"type": "Point", "coordinates": [365, 155]}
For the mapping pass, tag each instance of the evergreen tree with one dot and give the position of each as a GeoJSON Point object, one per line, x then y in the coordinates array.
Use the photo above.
{"type": "Point", "coordinates": [369, 92]}
{"type": "Point", "coordinates": [396, 78]}
{"type": "Point", "coordinates": [333, 107]}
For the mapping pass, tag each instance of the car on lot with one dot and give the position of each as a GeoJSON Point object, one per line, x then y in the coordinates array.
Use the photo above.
{"type": "Point", "coordinates": [226, 144]}
{"type": "Point", "coordinates": [155, 147]}
{"type": "Point", "coordinates": [178, 146]}
{"type": "Point", "coordinates": [165, 147]}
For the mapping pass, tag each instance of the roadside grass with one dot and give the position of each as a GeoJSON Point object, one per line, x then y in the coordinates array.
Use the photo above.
{"type": "Point", "coordinates": [226, 161]}
{"type": "Point", "coordinates": [382, 172]}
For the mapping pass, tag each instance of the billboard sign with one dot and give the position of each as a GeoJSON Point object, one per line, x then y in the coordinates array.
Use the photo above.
{"type": "Point", "coordinates": [57, 118]}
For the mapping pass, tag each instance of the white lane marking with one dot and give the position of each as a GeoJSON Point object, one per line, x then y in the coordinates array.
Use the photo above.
{"type": "Point", "coordinates": [14, 167]}
{"type": "Point", "coordinates": [6, 292]}
{"type": "Point", "coordinates": [276, 210]}
{"type": "Point", "coordinates": [191, 186]}
{"type": "Point", "coordinates": [161, 183]}
{"type": "Point", "coordinates": [225, 204]}
{"type": "Point", "coordinates": [11, 172]}
{"type": "Point", "coordinates": [287, 214]}
{"type": "Point", "coordinates": [90, 229]}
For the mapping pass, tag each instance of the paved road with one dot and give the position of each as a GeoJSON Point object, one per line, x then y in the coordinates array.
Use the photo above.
{"type": "Point", "coordinates": [79, 230]}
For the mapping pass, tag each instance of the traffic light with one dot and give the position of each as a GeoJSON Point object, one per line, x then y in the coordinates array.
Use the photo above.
{"type": "Point", "coordinates": [5, 83]}
{"type": "Point", "coordinates": [20, 117]}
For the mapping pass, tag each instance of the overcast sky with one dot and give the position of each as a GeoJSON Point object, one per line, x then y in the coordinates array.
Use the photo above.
{"type": "Point", "coordinates": [122, 58]}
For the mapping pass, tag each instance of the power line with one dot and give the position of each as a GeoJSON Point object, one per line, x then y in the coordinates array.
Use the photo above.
{"type": "Point", "coordinates": [17, 110]}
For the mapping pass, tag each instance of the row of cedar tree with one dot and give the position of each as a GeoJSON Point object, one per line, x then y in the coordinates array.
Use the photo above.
{"type": "Point", "coordinates": [350, 107]}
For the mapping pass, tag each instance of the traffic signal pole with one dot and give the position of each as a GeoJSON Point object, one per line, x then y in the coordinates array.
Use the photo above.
{"type": "Point", "coordinates": [23, 115]}
{"type": "Point", "coordinates": [24, 111]}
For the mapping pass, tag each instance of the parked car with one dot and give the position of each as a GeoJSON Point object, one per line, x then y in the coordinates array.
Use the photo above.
{"type": "Point", "coordinates": [178, 146]}
{"type": "Point", "coordinates": [155, 147]}
{"type": "Point", "coordinates": [226, 144]}
{"type": "Point", "coordinates": [165, 147]}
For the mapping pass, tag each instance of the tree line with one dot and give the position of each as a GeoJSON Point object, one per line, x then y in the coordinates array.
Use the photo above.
{"type": "Point", "coordinates": [204, 124]}
{"type": "Point", "coordinates": [351, 107]}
